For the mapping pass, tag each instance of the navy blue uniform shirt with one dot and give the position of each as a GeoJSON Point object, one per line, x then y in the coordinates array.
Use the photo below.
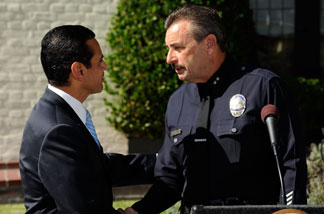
{"type": "Point", "coordinates": [233, 158]}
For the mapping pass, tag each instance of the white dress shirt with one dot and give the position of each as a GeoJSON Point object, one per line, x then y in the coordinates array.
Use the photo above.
{"type": "Point", "coordinates": [75, 104]}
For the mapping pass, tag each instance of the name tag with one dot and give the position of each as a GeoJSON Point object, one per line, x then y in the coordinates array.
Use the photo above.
{"type": "Point", "coordinates": [201, 140]}
{"type": "Point", "coordinates": [176, 132]}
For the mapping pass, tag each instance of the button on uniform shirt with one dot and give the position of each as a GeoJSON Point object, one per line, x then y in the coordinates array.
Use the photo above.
{"type": "Point", "coordinates": [236, 159]}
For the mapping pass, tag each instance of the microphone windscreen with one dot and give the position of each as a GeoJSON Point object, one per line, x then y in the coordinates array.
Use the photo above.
{"type": "Point", "coordinates": [269, 110]}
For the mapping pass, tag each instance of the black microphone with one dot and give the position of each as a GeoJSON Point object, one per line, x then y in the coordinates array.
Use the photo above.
{"type": "Point", "coordinates": [270, 116]}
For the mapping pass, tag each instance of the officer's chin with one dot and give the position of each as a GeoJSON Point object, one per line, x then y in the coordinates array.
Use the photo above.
{"type": "Point", "coordinates": [181, 77]}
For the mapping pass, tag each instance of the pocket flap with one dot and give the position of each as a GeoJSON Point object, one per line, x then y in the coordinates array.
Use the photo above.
{"type": "Point", "coordinates": [234, 127]}
{"type": "Point", "coordinates": [179, 134]}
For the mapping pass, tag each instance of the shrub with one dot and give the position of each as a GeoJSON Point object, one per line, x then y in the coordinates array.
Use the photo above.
{"type": "Point", "coordinates": [138, 79]}
{"type": "Point", "coordinates": [310, 100]}
{"type": "Point", "coordinates": [315, 165]}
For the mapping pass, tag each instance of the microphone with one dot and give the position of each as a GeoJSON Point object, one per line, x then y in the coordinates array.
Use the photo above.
{"type": "Point", "coordinates": [270, 116]}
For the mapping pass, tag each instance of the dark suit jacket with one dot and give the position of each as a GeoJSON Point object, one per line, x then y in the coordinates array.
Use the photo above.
{"type": "Point", "coordinates": [62, 168]}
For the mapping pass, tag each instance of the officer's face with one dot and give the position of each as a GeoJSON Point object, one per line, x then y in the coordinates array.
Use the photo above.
{"type": "Point", "coordinates": [186, 55]}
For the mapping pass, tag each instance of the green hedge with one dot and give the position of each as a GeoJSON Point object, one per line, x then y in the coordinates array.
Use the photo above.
{"type": "Point", "coordinates": [138, 80]}
{"type": "Point", "coordinates": [315, 165]}
{"type": "Point", "coordinates": [310, 100]}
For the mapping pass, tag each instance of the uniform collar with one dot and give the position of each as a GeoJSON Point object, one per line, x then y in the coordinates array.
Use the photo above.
{"type": "Point", "coordinates": [219, 76]}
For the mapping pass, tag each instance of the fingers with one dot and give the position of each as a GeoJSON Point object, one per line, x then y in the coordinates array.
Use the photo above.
{"type": "Point", "coordinates": [130, 210]}
{"type": "Point", "coordinates": [120, 210]}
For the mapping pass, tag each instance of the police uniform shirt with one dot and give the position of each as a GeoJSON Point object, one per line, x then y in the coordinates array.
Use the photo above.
{"type": "Point", "coordinates": [234, 158]}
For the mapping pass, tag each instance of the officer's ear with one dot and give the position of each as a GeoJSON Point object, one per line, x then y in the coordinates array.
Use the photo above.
{"type": "Point", "coordinates": [211, 42]}
{"type": "Point", "coordinates": [77, 71]}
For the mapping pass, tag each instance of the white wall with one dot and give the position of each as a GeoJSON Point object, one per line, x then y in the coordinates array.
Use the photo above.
{"type": "Point", "coordinates": [23, 23]}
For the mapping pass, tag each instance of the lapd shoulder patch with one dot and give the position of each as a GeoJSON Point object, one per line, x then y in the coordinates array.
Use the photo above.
{"type": "Point", "coordinates": [237, 105]}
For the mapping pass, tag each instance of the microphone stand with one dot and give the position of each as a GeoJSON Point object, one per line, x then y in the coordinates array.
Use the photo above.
{"type": "Point", "coordinates": [273, 139]}
{"type": "Point", "coordinates": [282, 192]}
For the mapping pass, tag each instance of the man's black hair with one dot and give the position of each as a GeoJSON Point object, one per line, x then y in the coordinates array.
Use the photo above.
{"type": "Point", "coordinates": [62, 46]}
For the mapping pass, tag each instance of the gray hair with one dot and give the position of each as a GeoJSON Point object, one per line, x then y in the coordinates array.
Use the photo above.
{"type": "Point", "coordinates": [204, 21]}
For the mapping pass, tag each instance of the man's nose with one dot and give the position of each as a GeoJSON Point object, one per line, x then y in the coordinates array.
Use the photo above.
{"type": "Point", "coordinates": [105, 65]}
{"type": "Point", "coordinates": [171, 58]}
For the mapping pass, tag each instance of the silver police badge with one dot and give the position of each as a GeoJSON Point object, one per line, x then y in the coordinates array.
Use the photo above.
{"type": "Point", "coordinates": [237, 105]}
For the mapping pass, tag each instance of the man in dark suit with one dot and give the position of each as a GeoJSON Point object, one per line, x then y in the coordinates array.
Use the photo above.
{"type": "Point", "coordinates": [62, 165]}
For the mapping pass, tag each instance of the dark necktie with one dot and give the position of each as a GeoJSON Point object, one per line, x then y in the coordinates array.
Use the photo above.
{"type": "Point", "coordinates": [204, 113]}
{"type": "Point", "coordinates": [198, 160]}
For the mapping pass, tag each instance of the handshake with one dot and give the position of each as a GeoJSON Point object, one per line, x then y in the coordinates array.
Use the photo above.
{"type": "Point", "coordinates": [128, 210]}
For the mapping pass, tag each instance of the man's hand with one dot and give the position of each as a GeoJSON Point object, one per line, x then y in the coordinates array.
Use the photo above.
{"type": "Point", "coordinates": [128, 210]}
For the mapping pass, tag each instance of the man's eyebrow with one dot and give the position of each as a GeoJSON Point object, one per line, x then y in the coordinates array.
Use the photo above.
{"type": "Point", "coordinates": [174, 44]}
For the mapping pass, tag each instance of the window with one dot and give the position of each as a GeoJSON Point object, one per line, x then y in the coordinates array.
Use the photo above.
{"type": "Point", "coordinates": [274, 17]}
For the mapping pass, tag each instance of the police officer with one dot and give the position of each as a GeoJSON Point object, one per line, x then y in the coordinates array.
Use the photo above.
{"type": "Point", "coordinates": [216, 149]}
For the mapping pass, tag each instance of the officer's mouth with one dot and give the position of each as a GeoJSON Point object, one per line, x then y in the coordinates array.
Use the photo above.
{"type": "Point", "coordinates": [179, 69]}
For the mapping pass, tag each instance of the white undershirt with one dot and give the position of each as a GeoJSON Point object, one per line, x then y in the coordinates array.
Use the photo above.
{"type": "Point", "coordinates": [75, 104]}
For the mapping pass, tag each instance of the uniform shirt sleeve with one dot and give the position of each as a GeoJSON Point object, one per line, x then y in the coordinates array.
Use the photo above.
{"type": "Point", "coordinates": [159, 198]}
{"type": "Point", "coordinates": [291, 145]}
{"type": "Point", "coordinates": [131, 169]}
{"type": "Point", "coordinates": [166, 190]}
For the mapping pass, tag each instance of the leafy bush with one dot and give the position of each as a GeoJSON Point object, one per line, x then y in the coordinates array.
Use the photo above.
{"type": "Point", "coordinates": [138, 79]}
{"type": "Point", "coordinates": [315, 164]}
{"type": "Point", "coordinates": [310, 100]}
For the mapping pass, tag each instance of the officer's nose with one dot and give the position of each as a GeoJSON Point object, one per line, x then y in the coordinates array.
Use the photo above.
{"type": "Point", "coordinates": [171, 58]}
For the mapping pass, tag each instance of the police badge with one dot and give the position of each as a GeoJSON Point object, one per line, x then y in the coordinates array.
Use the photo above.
{"type": "Point", "coordinates": [237, 105]}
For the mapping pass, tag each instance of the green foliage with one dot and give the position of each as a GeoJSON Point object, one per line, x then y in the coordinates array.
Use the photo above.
{"type": "Point", "coordinates": [12, 208]}
{"type": "Point", "coordinates": [20, 208]}
{"type": "Point", "coordinates": [315, 164]}
{"type": "Point", "coordinates": [310, 100]}
{"type": "Point", "coordinates": [127, 203]}
{"type": "Point", "coordinates": [138, 78]}
{"type": "Point", "coordinates": [136, 68]}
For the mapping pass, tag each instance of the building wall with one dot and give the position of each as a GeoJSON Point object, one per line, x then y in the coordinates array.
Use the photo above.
{"type": "Point", "coordinates": [23, 23]}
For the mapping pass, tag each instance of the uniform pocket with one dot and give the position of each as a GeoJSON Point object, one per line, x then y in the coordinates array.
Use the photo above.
{"type": "Point", "coordinates": [235, 127]}
{"type": "Point", "coordinates": [233, 136]}
{"type": "Point", "coordinates": [180, 134]}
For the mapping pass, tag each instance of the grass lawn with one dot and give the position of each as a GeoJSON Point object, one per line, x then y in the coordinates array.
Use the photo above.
{"type": "Point", "coordinates": [12, 209]}
{"type": "Point", "coordinates": [20, 208]}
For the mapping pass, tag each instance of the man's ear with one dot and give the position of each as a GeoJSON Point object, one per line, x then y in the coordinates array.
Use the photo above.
{"type": "Point", "coordinates": [211, 42]}
{"type": "Point", "coordinates": [76, 71]}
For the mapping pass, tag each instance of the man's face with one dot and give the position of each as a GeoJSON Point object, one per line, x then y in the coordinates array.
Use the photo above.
{"type": "Point", "coordinates": [95, 73]}
{"type": "Point", "coordinates": [185, 53]}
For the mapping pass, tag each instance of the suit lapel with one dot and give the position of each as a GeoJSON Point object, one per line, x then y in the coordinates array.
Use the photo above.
{"type": "Point", "coordinates": [52, 97]}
